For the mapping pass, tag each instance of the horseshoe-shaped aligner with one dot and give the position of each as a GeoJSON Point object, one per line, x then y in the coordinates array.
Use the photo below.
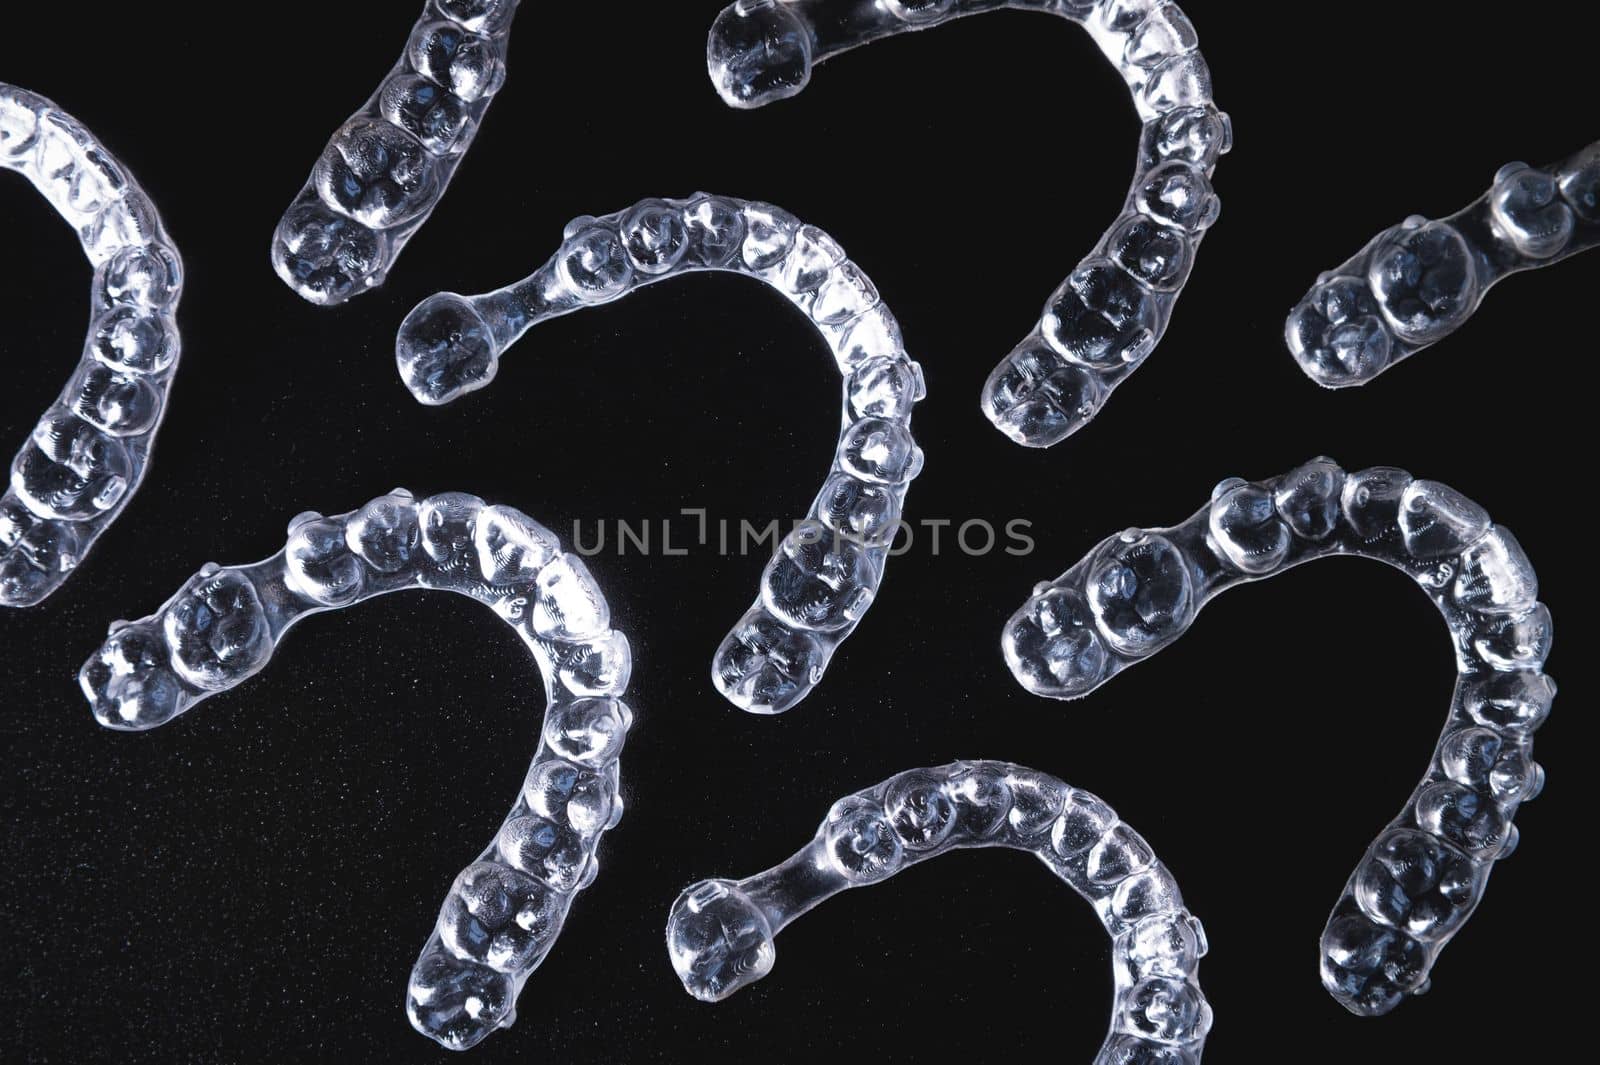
{"type": "Point", "coordinates": [387, 167]}
{"type": "Point", "coordinates": [89, 452]}
{"type": "Point", "coordinates": [506, 909]}
{"type": "Point", "coordinates": [720, 933]}
{"type": "Point", "coordinates": [824, 574]}
{"type": "Point", "coordinates": [1424, 874]}
{"type": "Point", "coordinates": [1416, 283]}
{"type": "Point", "coordinates": [1110, 313]}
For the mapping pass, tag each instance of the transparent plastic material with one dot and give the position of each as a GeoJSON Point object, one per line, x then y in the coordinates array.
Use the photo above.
{"type": "Point", "coordinates": [384, 171]}
{"type": "Point", "coordinates": [88, 454]}
{"type": "Point", "coordinates": [1425, 873]}
{"type": "Point", "coordinates": [1416, 283]}
{"type": "Point", "coordinates": [824, 573]}
{"type": "Point", "coordinates": [1110, 313]}
{"type": "Point", "coordinates": [720, 933]}
{"type": "Point", "coordinates": [506, 909]}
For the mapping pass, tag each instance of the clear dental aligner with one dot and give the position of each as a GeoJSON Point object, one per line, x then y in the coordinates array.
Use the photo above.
{"type": "Point", "coordinates": [384, 171]}
{"type": "Point", "coordinates": [1109, 314]}
{"type": "Point", "coordinates": [87, 455]}
{"type": "Point", "coordinates": [1416, 283]}
{"type": "Point", "coordinates": [720, 933]}
{"type": "Point", "coordinates": [506, 909]}
{"type": "Point", "coordinates": [824, 573]}
{"type": "Point", "coordinates": [1422, 877]}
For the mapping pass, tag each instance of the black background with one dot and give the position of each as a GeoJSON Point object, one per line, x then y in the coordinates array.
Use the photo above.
{"type": "Point", "coordinates": [252, 882]}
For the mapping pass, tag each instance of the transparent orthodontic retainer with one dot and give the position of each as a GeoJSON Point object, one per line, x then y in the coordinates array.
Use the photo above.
{"type": "Point", "coordinates": [505, 910]}
{"type": "Point", "coordinates": [1424, 875]}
